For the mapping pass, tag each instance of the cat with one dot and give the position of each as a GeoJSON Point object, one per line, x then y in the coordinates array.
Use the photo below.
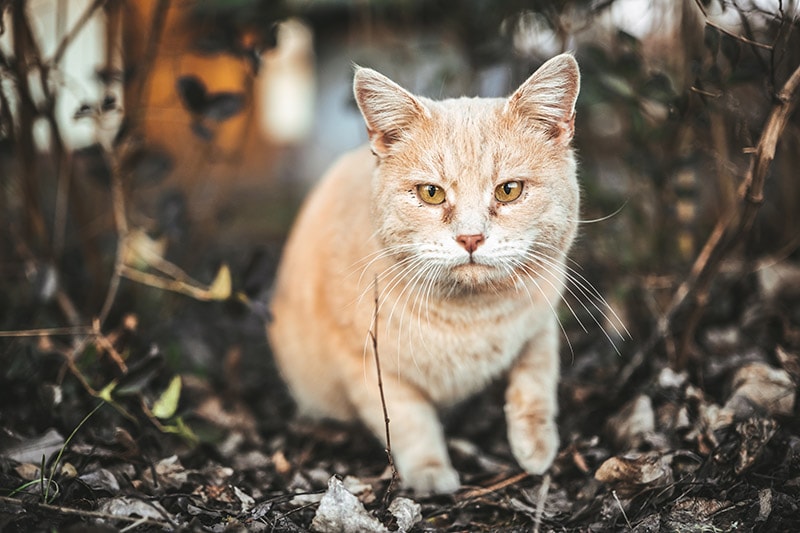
{"type": "Point", "coordinates": [459, 215]}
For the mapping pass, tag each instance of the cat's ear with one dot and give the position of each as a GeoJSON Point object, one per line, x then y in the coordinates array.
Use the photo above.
{"type": "Point", "coordinates": [548, 97]}
{"type": "Point", "coordinates": [388, 109]}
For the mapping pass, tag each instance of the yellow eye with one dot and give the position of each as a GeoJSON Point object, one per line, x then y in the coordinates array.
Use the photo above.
{"type": "Point", "coordinates": [431, 194]}
{"type": "Point", "coordinates": [508, 191]}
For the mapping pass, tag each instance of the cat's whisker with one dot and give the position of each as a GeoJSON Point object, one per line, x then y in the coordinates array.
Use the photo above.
{"type": "Point", "coordinates": [529, 270]}
{"type": "Point", "coordinates": [548, 266]}
{"type": "Point", "coordinates": [374, 257]}
{"type": "Point", "coordinates": [406, 265]}
{"type": "Point", "coordinates": [399, 265]}
{"type": "Point", "coordinates": [604, 218]}
{"type": "Point", "coordinates": [592, 294]}
{"type": "Point", "coordinates": [409, 290]}
{"type": "Point", "coordinates": [547, 300]}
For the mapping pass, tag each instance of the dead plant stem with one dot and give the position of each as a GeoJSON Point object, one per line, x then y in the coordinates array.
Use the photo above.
{"type": "Point", "coordinates": [84, 513]}
{"type": "Point", "coordinates": [75, 30]}
{"type": "Point", "coordinates": [691, 296]}
{"type": "Point", "coordinates": [374, 336]}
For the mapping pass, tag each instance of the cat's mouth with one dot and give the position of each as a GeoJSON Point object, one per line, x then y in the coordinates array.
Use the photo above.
{"type": "Point", "coordinates": [474, 272]}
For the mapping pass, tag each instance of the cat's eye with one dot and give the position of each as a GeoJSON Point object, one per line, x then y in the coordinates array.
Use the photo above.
{"type": "Point", "coordinates": [431, 194]}
{"type": "Point", "coordinates": [508, 191]}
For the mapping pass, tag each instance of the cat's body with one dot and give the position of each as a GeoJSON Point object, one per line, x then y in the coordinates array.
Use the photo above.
{"type": "Point", "coordinates": [460, 214]}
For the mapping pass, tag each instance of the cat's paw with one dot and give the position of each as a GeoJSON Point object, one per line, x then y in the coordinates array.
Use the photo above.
{"type": "Point", "coordinates": [534, 443]}
{"type": "Point", "coordinates": [432, 479]}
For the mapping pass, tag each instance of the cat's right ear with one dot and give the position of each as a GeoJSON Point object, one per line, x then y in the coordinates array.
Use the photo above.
{"type": "Point", "coordinates": [387, 108]}
{"type": "Point", "coordinates": [547, 98]}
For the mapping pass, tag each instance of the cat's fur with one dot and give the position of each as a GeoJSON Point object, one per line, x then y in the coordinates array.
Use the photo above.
{"type": "Point", "coordinates": [468, 288]}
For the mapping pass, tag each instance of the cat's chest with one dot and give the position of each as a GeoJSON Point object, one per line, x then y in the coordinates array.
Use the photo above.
{"type": "Point", "coordinates": [452, 351]}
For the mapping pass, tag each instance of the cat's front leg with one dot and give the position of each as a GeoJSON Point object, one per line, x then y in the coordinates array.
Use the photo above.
{"type": "Point", "coordinates": [532, 403]}
{"type": "Point", "coordinates": [417, 437]}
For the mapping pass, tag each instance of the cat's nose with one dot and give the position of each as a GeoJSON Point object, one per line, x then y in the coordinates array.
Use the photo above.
{"type": "Point", "coordinates": [470, 242]}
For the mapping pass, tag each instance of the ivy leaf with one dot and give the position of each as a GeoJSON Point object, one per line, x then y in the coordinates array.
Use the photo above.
{"type": "Point", "coordinates": [167, 403]}
{"type": "Point", "coordinates": [220, 288]}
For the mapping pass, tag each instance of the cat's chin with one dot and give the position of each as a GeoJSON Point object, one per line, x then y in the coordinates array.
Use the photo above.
{"type": "Point", "coordinates": [478, 276]}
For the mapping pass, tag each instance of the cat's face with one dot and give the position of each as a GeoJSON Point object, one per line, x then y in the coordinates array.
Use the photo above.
{"type": "Point", "coordinates": [475, 193]}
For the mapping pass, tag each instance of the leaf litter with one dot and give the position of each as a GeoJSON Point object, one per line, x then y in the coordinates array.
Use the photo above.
{"type": "Point", "coordinates": [713, 446]}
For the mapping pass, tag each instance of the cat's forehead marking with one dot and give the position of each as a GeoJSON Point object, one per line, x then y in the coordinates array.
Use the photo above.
{"type": "Point", "coordinates": [463, 143]}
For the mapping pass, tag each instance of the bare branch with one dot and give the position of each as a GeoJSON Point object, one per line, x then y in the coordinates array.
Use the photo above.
{"type": "Point", "coordinates": [729, 33]}
{"type": "Point", "coordinates": [692, 293]}
{"type": "Point", "coordinates": [76, 29]}
{"type": "Point", "coordinates": [373, 333]}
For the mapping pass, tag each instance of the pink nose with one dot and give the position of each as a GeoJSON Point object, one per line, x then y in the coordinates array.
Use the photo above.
{"type": "Point", "coordinates": [470, 242]}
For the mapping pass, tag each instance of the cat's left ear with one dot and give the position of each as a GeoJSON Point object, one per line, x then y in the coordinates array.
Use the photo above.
{"type": "Point", "coordinates": [548, 97]}
{"type": "Point", "coordinates": [388, 109]}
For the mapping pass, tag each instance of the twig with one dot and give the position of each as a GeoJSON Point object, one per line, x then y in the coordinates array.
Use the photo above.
{"type": "Point", "coordinates": [120, 220]}
{"type": "Point", "coordinates": [117, 188]}
{"type": "Point", "coordinates": [537, 521]}
{"type": "Point", "coordinates": [104, 343]}
{"type": "Point", "coordinates": [373, 333]}
{"type": "Point", "coordinates": [500, 485]}
{"type": "Point", "coordinates": [728, 32]}
{"type": "Point", "coordinates": [85, 513]}
{"type": "Point", "coordinates": [47, 332]}
{"type": "Point", "coordinates": [76, 29]}
{"type": "Point", "coordinates": [621, 508]}
{"type": "Point", "coordinates": [738, 37]}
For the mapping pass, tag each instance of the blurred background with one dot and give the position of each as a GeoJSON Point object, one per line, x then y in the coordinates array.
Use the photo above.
{"type": "Point", "coordinates": [153, 154]}
{"type": "Point", "coordinates": [151, 140]}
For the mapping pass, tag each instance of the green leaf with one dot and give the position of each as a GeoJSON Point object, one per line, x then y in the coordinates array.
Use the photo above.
{"type": "Point", "coordinates": [181, 429]}
{"type": "Point", "coordinates": [105, 393]}
{"type": "Point", "coordinates": [167, 404]}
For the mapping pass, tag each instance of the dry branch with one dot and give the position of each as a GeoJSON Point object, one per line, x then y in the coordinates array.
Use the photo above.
{"type": "Point", "coordinates": [76, 29]}
{"type": "Point", "coordinates": [690, 297]}
{"type": "Point", "coordinates": [373, 333]}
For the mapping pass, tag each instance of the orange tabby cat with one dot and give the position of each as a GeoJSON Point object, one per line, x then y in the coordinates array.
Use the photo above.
{"type": "Point", "coordinates": [461, 212]}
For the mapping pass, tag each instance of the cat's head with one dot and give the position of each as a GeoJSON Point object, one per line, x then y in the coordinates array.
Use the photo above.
{"type": "Point", "coordinates": [473, 192]}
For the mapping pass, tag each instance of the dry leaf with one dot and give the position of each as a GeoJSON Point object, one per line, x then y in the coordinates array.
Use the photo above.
{"type": "Point", "coordinates": [631, 475]}
{"type": "Point", "coordinates": [633, 423]}
{"type": "Point", "coordinates": [340, 512]}
{"type": "Point", "coordinates": [760, 387]}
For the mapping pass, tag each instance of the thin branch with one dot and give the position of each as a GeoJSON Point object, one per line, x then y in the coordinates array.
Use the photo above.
{"type": "Point", "coordinates": [494, 487]}
{"type": "Point", "coordinates": [373, 333]}
{"type": "Point", "coordinates": [117, 187]}
{"type": "Point", "coordinates": [738, 37]}
{"type": "Point", "coordinates": [120, 220]}
{"type": "Point", "coordinates": [69, 511]}
{"type": "Point", "coordinates": [49, 332]}
{"type": "Point", "coordinates": [729, 33]}
{"type": "Point", "coordinates": [76, 29]}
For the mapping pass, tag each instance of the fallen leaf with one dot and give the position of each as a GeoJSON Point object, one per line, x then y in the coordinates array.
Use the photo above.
{"type": "Point", "coordinates": [101, 479]}
{"type": "Point", "coordinates": [31, 450]}
{"type": "Point", "coordinates": [167, 403]}
{"type": "Point", "coordinates": [629, 428]}
{"type": "Point", "coordinates": [631, 475]}
{"type": "Point", "coordinates": [761, 388]}
{"type": "Point", "coordinates": [755, 433]}
{"type": "Point", "coordinates": [340, 511]}
{"type": "Point", "coordinates": [407, 512]}
{"type": "Point", "coordinates": [126, 506]}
